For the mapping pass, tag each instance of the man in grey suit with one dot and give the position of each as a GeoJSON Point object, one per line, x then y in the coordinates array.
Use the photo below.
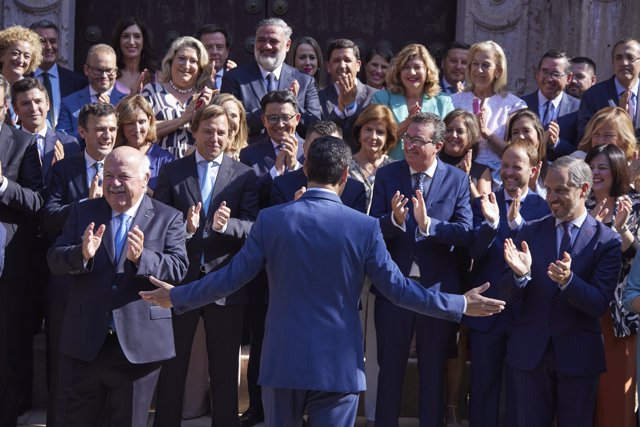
{"type": "Point", "coordinates": [249, 83]}
{"type": "Point", "coordinates": [313, 353]}
{"type": "Point", "coordinates": [558, 111]}
{"type": "Point", "coordinates": [110, 245]}
{"type": "Point", "coordinates": [343, 101]}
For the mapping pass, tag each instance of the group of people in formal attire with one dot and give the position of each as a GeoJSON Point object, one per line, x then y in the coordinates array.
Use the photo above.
{"type": "Point", "coordinates": [339, 215]}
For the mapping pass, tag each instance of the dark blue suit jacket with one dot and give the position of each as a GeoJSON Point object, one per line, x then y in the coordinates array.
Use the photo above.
{"type": "Point", "coordinates": [598, 96]}
{"type": "Point", "coordinates": [70, 81]}
{"type": "Point", "coordinates": [71, 105]}
{"type": "Point", "coordinates": [449, 208]}
{"type": "Point", "coordinates": [285, 187]}
{"type": "Point", "coordinates": [245, 83]}
{"type": "Point", "coordinates": [487, 248]}
{"type": "Point", "coordinates": [569, 320]}
{"type": "Point", "coordinates": [69, 143]}
{"type": "Point", "coordinates": [109, 286]}
{"type": "Point", "coordinates": [567, 119]}
{"type": "Point", "coordinates": [313, 338]}
{"type": "Point", "coordinates": [179, 187]}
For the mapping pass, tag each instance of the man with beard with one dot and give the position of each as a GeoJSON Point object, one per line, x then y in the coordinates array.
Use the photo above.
{"type": "Point", "coordinates": [496, 217]}
{"type": "Point", "coordinates": [584, 76]}
{"type": "Point", "coordinates": [343, 101]}
{"type": "Point", "coordinates": [454, 65]}
{"type": "Point", "coordinates": [249, 83]}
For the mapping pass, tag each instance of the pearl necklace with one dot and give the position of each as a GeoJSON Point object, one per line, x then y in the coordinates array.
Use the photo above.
{"type": "Point", "coordinates": [177, 89]}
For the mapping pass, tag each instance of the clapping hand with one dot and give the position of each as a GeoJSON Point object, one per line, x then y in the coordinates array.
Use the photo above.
{"type": "Point", "coordinates": [58, 153]}
{"type": "Point", "coordinates": [135, 240]}
{"type": "Point", "coordinates": [193, 218]}
{"type": "Point", "coordinates": [420, 211]}
{"type": "Point", "coordinates": [514, 209]}
{"type": "Point", "coordinates": [560, 270]}
{"type": "Point", "coordinates": [91, 241]}
{"type": "Point", "coordinates": [398, 207]}
{"type": "Point", "coordinates": [489, 208]}
{"type": "Point", "coordinates": [221, 217]}
{"type": "Point", "coordinates": [518, 261]}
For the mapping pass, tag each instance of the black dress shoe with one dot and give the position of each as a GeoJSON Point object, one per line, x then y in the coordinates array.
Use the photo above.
{"type": "Point", "coordinates": [251, 417]}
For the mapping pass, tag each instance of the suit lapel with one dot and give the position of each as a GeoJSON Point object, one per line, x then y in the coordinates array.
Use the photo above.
{"type": "Point", "coordinates": [612, 93]}
{"type": "Point", "coordinates": [286, 77]}
{"type": "Point", "coordinates": [398, 105]}
{"type": "Point", "coordinates": [49, 150]}
{"type": "Point", "coordinates": [585, 234]}
{"type": "Point", "coordinates": [436, 184]}
{"type": "Point", "coordinates": [225, 172]}
{"type": "Point", "coordinates": [256, 82]}
{"type": "Point", "coordinates": [192, 178]}
{"type": "Point", "coordinates": [143, 217]}
{"type": "Point", "coordinates": [406, 180]}
{"type": "Point", "coordinates": [503, 225]}
{"type": "Point", "coordinates": [80, 176]}
{"type": "Point", "coordinates": [109, 233]}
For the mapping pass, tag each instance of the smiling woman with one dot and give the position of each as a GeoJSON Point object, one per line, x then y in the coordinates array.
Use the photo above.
{"type": "Point", "coordinates": [20, 52]}
{"type": "Point", "coordinates": [132, 42]}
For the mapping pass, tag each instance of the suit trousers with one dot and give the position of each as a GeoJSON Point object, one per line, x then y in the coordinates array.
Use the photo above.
{"type": "Point", "coordinates": [394, 329]}
{"type": "Point", "coordinates": [544, 392]}
{"type": "Point", "coordinates": [284, 407]}
{"type": "Point", "coordinates": [223, 326]}
{"type": "Point", "coordinates": [110, 387]}
{"type": "Point", "coordinates": [59, 365]}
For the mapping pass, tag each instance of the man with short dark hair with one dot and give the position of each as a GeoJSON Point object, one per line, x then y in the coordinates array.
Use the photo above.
{"type": "Point", "coordinates": [313, 353]}
{"type": "Point", "coordinates": [249, 83]}
{"type": "Point", "coordinates": [218, 42]}
{"type": "Point", "coordinates": [557, 110]}
{"type": "Point", "coordinates": [621, 90]}
{"type": "Point", "coordinates": [58, 80]}
{"type": "Point", "coordinates": [564, 270]}
{"type": "Point", "coordinates": [454, 66]}
{"type": "Point", "coordinates": [584, 76]}
{"type": "Point", "coordinates": [347, 96]}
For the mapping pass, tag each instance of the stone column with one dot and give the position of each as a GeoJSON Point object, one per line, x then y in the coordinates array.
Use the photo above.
{"type": "Point", "coordinates": [60, 12]}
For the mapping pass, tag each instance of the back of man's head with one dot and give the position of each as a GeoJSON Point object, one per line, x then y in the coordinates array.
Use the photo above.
{"type": "Point", "coordinates": [326, 160]}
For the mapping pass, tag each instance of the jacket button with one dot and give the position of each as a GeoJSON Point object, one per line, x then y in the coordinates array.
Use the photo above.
{"type": "Point", "coordinates": [114, 288]}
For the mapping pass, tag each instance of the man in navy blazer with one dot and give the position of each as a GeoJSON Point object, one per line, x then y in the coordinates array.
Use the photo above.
{"type": "Point", "coordinates": [557, 110]}
{"type": "Point", "coordinates": [607, 93]}
{"type": "Point", "coordinates": [101, 71]}
{"type": "Point", "coordinates": [62, 82]}
{"type": "Point", "coordinates": [110, 245]}
{"type": "Point", "coordinates": [217, 227]}
{"type": "Point", "coordinates": [565, 268]}
{"type": "Point", "coordinates": [249, 83]}
{"type": "Point", "coordinates": [313, 353]}
{"type": "Point", "coordinates": [287, 187]}
{"type": "Point", "coordinates": [343, 100]}
{"type": "Point", "coordinates": [496, 217]}
{"type": "Point", "coordinates": [424, 251]}
{"type": "Point", "coordinates": [20, 199]}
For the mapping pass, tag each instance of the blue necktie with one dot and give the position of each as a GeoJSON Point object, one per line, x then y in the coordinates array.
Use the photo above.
{"type": "Point", "coordinates": [121, 235]}
{"type": "Point", "coordinates": [206, 186]}
{"type": "Point", "coordinates": [548, 114]}
{"type": "Point", "coordinates": [419, 180]}
{"type": "Point", "coordinates": [271, 82]}
{"type": "Point", "coordinates": [565, 243]}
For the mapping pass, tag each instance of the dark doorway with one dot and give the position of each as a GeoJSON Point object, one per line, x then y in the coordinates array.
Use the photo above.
{"type": "Point", "coordinates": [398, 22]}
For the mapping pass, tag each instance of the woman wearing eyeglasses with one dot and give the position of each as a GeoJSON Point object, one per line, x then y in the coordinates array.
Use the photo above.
{"type": "Point", "coordinates": [20, 52]}
{"type": "Point", "coordinates": [181, 90]}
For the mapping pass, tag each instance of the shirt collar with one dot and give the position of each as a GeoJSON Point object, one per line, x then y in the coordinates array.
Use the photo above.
{"type": "Point", "coordinates": [620, 88]}
{"type": "Point", "coordinates": [576, 222]}
{"type": "Point", "coordinates": [275, 72]}
{"type": "Point", "coordinates": [53, 71]}
{"type": "Point", "coordinates": [507, 197]}
{"type": "Point", "coordinates": [42, 132]}
{"type": "Point", "coordinates": [218, 159]}
{"type": "Point", "coordinates": [555, 101]}
{"type": "Point", "coordinates": [90, 161]}
{"type": "Point", "coordinates": [431, 170]}
{"type": "Point", "coordinates": [92, 91]}
{"type": "Point", "coordinates": [131, 212]}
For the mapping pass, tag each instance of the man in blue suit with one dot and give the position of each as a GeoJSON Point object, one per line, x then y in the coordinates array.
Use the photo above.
{"type": "Point", "coordinates": [496, 217]}
{"type": "Point", "coordinates": [557, 110]}
{"type": "Point", "coordinates": [249, 83]}
{"type": "Point", "coordinates": [110, 245]}
{"type": "Point", "coordinates": [422, 248]}
{"type": "Point", "coordinates": [317, 260]}
{"type": "Point", "coordinates": [621, 90]}
{"type": "Point", "coordinates": [565, 274]}
{"type": "Point", "coordinates": [290, 186]}
{"type": "Point", "coordinates": [58, 80]}
{"type": "Point", "coordinates": [101, 70]}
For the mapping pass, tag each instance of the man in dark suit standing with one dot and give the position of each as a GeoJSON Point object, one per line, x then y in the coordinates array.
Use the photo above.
{"type": "Point", "coordinates": [116, 341]}
{"type": "Point", "coordinates": [249, 83]}
{"type": "Point", "coordinates": [453, 66]}
{"type": "Point", "coordinates": [292, 185]}
{"type": "Point", "coordinates": [20, 199]}
{"type": "Point", "coordinates": [621, 90]}
{"type": "Point", "coordinates": [557, 110]}
{"type": "Point", "coordinates": [496, 217]}
{"type": "Point", "coordinates": [58, 81]}
{"type": "Point", "coordinates": [343, 101]}
{"type": "Point", "coordinates": [73, 179]}
{"type": "Point", "coordinates": [565, 273]}
{"type": "Point", "coordinates": [101, 70]}
{"type": "Point", "coordinates": [218, 197]}
{"type": "Point", "coordinates": [313, 352]}
{"type": "Point", "coordinates": [218, 41]}
{"type": "Point", "coordinates": [422, 248]}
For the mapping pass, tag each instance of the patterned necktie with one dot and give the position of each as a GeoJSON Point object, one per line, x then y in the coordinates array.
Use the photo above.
{"type": "Point", "coordinates": [120, 238]}
{"type": "Point", "coordinates": [271, 82]}
{"type": "Point", "coordinates": [547, 114]}
{"type": "Point", "coordinates": [565, 243]}
{"type": "Point", "coordinates": [418, 179]}
{"type": "Point", "coordinates": [98, 167]}
{"type": "Point", "coordinates": [40, 145]}
{"type": "Point", "coordinates": [625, 97]}
{"type": "Point", "coordinates": [46, 81]}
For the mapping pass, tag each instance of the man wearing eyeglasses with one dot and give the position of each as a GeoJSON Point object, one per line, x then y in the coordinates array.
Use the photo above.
{"type": "Point", "coordinates": [423, 246]}
{"type": "Point", "coordinates": [101, 70]}
{"type": "Point", "coordinates": [557, 110]}
{"type": "Point", "coordinates": [621, 90]}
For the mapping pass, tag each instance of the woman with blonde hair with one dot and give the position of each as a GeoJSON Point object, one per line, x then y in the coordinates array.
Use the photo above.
{"type": "Point", "coordinates": [20, 52]}
{"type": "Point", "coordinates": [487, 97]}
{"type": "Point", "coordinates": [238, 130]}
{"type": "Point", "coordinates": [610, 125]}
{"type": "Point", "coordinates": [180, 90]}
{"type": "Point", "coordinates": [137, 129]}
{"type": "Point", "coordinates": [412, 87]}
